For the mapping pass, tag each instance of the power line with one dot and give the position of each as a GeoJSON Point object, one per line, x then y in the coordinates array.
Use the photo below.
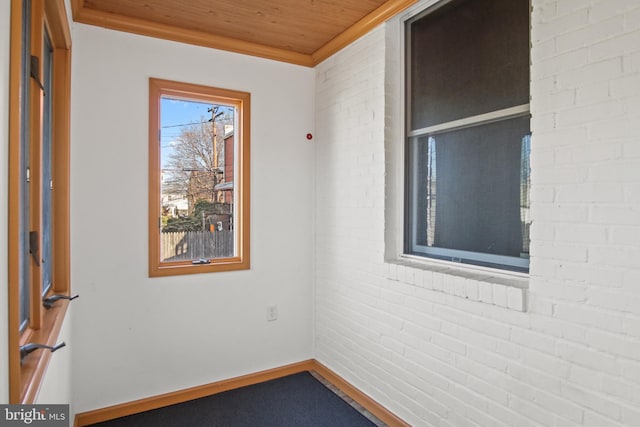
{"type": "Point", "coordinates": [183, 124]}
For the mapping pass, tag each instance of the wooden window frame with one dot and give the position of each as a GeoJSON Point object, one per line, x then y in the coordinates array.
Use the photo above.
{"type": "Point", "coordinates": [157, 89]}
{"type": "Point", "coordinates": [25, 377]}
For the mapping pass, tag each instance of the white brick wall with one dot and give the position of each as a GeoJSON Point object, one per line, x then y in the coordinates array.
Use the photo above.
{"type": "Point", "coordinates": [445, 347]}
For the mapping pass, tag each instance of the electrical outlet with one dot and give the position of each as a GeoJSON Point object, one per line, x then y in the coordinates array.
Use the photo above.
{"type": "Point", "coordinates": [272, 313]}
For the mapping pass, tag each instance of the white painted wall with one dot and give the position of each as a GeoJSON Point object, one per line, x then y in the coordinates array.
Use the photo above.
{"type": "Point", "coordinates": [5, 31]}
{"type": "Point", "coordinates": [134, 336]}
{"type": "Point", "coordinates": [437, 345]}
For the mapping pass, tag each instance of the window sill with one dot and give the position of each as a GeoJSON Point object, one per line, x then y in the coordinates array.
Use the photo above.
{"type": "Point", "coordinates": [508, 290]}
{"type": "Point", "coordinates": [176, 269]}
{"type": "Point", "coordinates": [33, 370]}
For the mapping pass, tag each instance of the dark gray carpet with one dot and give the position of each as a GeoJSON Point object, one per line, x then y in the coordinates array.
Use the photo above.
{"type": "Point", "coordinates": [295, 400]}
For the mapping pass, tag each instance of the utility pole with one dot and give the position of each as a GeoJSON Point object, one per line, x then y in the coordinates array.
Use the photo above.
{"type": "Point", "coordinates": [214, 115]}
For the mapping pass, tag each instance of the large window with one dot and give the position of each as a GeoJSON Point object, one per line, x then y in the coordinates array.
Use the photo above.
{"type": "Point", "coordinates": [38, 189]}
{"type": "Point", "coordinates": [468, 137]}
{"type": "Point", "coordinates": [199, 177]}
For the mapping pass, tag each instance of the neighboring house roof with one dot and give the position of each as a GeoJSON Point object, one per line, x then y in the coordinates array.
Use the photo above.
{"type": "Point", "coordinates": [224, 186]}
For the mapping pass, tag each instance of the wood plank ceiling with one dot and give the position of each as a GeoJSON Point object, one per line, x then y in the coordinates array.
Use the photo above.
{"type": "Point", "coordinates": [303, 32]}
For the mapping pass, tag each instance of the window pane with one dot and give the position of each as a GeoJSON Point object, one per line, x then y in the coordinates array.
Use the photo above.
{"type": "Point", "coordinates": [25, 148]}
{"type": "Point", "coordinates": [467, 58]}
{"type": "Point", "coordinates": [47, 177]}
{"type": "Point", "coordinates": [470, 190]}
{"type": "Point", "coordinates": [197, 182]}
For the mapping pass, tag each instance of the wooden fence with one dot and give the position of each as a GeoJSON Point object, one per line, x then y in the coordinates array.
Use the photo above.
{"type": "Point", "coordinates": [190, 245]}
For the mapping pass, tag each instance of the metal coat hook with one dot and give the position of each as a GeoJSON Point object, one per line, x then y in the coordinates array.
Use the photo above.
{"type": "Point", "coordinates": [31, 347]}
{"type": "Point", "coordinates": [48, 302]}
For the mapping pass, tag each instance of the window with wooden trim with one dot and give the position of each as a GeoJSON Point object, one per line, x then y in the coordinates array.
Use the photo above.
{"type": "Point", "coordinates": [38, 261]}
{"type": "Point", "coordinates": [468, 133]}
{"type": "Point", "coordinates": [198, 178]}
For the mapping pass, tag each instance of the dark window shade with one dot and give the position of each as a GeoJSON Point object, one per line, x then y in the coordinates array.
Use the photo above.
{"type": "Point", "coordinates": [470, 190]}
{"type": "Point", "coordinates": [467, 58]}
